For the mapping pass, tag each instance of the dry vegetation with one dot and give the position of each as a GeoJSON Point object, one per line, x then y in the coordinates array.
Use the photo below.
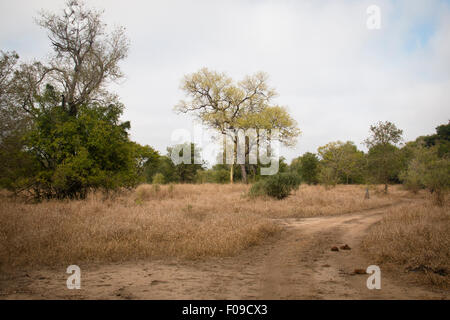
{"type": "Point", "coordinates": [187, 221]}
{"type": "Point", "coordinates": [415, 237]}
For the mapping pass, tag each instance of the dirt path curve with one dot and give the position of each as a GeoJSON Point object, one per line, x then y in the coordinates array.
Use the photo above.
{"type": "Point", "coordinates": [297, 265]}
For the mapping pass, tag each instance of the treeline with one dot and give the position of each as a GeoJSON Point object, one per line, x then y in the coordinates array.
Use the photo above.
{"type": "Point", "coordinates": [423, 163]}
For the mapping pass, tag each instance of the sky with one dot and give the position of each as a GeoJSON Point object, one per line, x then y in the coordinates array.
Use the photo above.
{"type": "Point", "coordinates": [334, 74]}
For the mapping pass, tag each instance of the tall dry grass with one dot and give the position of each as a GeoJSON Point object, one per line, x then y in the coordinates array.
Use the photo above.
{"type": "Point", "coordinates": [415, 238]}
{"type": "Point", "coordinates": [189, 221]}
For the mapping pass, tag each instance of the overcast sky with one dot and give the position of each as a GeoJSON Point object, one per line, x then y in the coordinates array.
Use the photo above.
{"type": "Point", "coordinates": [335, 75]}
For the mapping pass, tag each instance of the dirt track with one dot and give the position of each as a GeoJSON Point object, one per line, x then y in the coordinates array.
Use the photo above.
{"type": "Point", "coordinates": [297, 265]}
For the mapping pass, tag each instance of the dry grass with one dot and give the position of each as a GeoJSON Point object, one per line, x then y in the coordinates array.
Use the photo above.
{"type": "Point", "coordinates": [187, 221]}
{"type": "Point", "coordinates": [415, 238]}
{"type": "Point", "coordinates": [310, 201]}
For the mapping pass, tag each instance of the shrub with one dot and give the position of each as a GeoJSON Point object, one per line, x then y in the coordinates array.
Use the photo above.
{"type": "Point", "coordinates": [213, 176]}
{"type": "Point", "coordinates": [277, 186]}
{"type": "Point", "coordinates": [428, 170]}
{"type": "Point", "coordinates": [158, 179]}
{"type": "Point", "coordinates": [221, 176]}
{"type": "Point", "coordinates": [413, 177]}
{"type": "Point", "coordinates": [143, 192]}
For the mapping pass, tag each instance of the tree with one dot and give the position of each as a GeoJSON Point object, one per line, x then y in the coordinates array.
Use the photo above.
{"type": "Point", "coordinates": [441, 139]}
{"type": "Point", "coordinates": [307, 167]}
{"type": "Point", "coordinates": [269, 119]}
{"type": "Point", "coordinates": [71, 138]}
{"type": "Point", "coordinates": [227, 107]}
{"type": "Point", "coordinates": [383, 157]}
{"type": "Point", "coordinates": [182, 172]}
{"type": "Point", "coordinates": [14, 123]}
{"type": "Point", "coordinates": [85, 59]}
{"type": "Point", "coordinates": [340, 162]}
{"type": "Point", "coordinates": [76, 154]}
{"type": "Point", "coordinates": [215, 175]}
{"type": "Point", "coordinates": [187, 172]}
{"type": "Point", "coordinates": [163, 165]}
{"type": "Point", "coordinates": [427, 169]}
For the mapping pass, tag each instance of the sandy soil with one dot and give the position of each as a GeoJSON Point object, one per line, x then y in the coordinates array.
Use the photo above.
{"type": "Point", "coordinates": [297, 265]}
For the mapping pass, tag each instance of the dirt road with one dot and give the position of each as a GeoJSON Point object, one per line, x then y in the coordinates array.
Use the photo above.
{"type": "Point", "coordinates": [297, 265]}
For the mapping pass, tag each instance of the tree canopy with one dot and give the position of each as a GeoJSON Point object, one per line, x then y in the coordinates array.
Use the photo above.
{"type": "Point", "coordinates": [61, 133]}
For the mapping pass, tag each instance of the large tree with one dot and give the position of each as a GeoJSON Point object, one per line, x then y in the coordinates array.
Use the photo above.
{"type": "Point", "coordinates": [384, 160]}
{"type": "Point", "coordinates": [430, 170]}
{"type": "Point", "coordinates": [76, 154]}
{"type": "Point", "coordinates": [71, 138]}
{"type": "Point", "coordinates": [84, 60]}
{"type": "Point", "coordinates": [307, 167]}
{"type": "Point", "coordinates": [14, 123]}
{"type": "Point", "coordinates": [228, 107]}
{"type": "Point", "coordinates": [340, 162]}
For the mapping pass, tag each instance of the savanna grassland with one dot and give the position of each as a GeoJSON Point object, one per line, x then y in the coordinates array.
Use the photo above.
{"type": "Point", "coordinates": [198, 224]}
{"type": "Point", "coordinates": [154, 221]}
{"type": "Point", "coordinates": [414, 238]}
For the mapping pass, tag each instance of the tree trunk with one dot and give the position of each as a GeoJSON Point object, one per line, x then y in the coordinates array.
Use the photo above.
{"type": "Point", "coordinates": [246, 160]}
{"type": "Point", "coordinates": [234, 159]}
{"type": "Point", "coordinates": [244, 173]}
{"type": "Point", "coordinates": [253, 172]}
{"type": "Point", "coordinates": [73, 110]}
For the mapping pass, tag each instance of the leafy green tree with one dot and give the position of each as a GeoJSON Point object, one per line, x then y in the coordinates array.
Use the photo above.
{"type": "Point", "coordinates": [340, 162]}
{"type": "Point", "coordinates": [187, 172]}
{"type": "Point", "coordinates": [76, 154]}
{"type": "Point", "coordinates": [383, 160]}
{"type": "Point", "coordinates": [384, 164]}
{"type": "Point", "coordinates": [307, 167]}
{"type": "Point", "coordinates": [14, 124]}
{"type": "Point", "coordinates": [163, 165]}
{"type": "Point", "coordinates": [441, 139]}
{"type": "Point", "coordinates": [158, 179]}
{"type": "Point", "coordinates": [412, 174]}
{"type": "Point", "coordinates": [68, 137]}
{"type": "Point", "coordinates": [428, 169]}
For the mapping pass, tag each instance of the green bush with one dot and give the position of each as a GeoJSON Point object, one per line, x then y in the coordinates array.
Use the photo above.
{"type": "Point", "coordinates": [73, 155]}
{"type": "Point", "coordinates": [213, 176]}
{"type": "Point", "coordinates": [277, 186]}
{"type": "Point", "coordinates": [221, 176]}
{"type": "Point", "coordinates": [158, 179]}
{"type": "Point", "coordinates": [428, 170]}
